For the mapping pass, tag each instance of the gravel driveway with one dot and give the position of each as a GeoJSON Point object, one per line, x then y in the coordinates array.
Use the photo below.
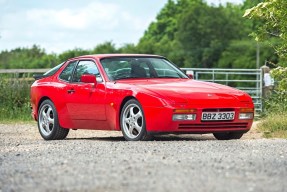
{"type": "Point", "coordinates": [103, 161]}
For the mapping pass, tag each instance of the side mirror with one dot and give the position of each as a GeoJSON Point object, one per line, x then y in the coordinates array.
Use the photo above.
{"type": "Point", "coordinates": [190, 76]}
{"type": "Point", "coordinates": [88, 78]}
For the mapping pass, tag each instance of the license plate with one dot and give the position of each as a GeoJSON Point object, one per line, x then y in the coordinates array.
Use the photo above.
{"type": "Point", "coordinates": [217, 116]}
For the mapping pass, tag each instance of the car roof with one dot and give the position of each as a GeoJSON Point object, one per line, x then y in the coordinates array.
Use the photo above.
{"type": "Point", "coordinates": [101, 56]}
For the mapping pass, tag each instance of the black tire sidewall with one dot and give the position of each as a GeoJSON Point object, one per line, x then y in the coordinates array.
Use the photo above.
{"type": "Point", "coordinates": [228, 135]}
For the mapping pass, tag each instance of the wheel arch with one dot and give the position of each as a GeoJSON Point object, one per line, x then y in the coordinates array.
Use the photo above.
{"type": "Point", "coordinates": [41, 101]}
{"type": "Point", "coordinates": [144, 99]}
{"type": "Point", "coordinates": [49, 125]}
{"type": "Point", "coordinates": [140, 135]}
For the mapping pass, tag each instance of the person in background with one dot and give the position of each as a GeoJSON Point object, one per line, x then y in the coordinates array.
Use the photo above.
{"type": "Point", "coordinates": [268, 81]}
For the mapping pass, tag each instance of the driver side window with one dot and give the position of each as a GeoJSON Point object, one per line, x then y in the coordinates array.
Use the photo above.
{"type": "Point", "coordinates": [86, 67]}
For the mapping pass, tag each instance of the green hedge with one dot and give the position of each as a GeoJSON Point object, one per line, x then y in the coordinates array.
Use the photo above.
{"type": "Point", "coordinates": [14, 99]}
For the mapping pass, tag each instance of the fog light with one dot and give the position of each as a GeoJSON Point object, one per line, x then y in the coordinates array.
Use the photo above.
{"type": "Point", "coordinates": [245, 115]}
{"type": "Point", "coordinates": [184, 117]}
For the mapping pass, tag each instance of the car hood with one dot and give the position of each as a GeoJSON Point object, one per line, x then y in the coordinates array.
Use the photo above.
{"type": "Point", "coordinates": [191, 91]}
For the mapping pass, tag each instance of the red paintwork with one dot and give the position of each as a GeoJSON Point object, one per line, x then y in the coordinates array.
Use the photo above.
{"type": "Point", "coordinates": [89, 79]}
{"type": "Point", "coordinates": [98, 107]}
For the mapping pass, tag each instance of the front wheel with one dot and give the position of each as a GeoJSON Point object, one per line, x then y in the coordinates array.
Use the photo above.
{"type": "Point", "coordinates": [228, 135]}
{"type": "Point", "coordinates": [48, 122]}
{"type": "Point", "coordinates": [133, 122]}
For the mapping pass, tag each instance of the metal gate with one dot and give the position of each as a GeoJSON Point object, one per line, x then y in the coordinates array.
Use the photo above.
{"type": "Point", "coordinates": [248, 80]}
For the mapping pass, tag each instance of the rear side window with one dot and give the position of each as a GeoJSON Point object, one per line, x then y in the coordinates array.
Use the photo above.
{"type": "Point", "coordinates": [53, 70]}
{"type": "Point", "coordinates": [67, 73]}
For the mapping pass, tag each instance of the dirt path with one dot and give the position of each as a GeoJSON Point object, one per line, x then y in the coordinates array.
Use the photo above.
{"type": "Point", "coordinates": [254, 133]}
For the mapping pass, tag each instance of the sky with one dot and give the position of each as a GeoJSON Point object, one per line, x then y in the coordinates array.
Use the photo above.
{"type": "Point", "coordinates": [60, 25]}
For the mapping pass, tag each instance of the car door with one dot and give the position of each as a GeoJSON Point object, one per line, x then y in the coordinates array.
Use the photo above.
{"type": "Point", "coordinates": [84, 101]}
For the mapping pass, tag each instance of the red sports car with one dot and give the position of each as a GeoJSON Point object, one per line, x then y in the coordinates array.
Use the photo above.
{"type": "Point", "coordinates": [140, 95]}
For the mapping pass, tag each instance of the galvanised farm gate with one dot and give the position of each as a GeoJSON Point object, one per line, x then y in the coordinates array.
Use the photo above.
{"type": "Point", "coordinates": [248, 80]}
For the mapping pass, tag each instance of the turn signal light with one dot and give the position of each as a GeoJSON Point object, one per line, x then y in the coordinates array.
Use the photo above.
{"type": "Point", "coordinates": [184, 110]}
{"type": "Point", "coordinates": [247, 110]}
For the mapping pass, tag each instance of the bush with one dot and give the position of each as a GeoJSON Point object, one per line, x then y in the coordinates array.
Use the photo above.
{"type": "Point", "coordinates": [274, 122]}
{"type": "Point", "coordinates": [280, 76]}
{"type": "Point", "coordinates": [14, 99]}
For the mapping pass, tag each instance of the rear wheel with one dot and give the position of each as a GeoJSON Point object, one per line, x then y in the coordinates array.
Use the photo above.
{"type": "Point", "coordinates": [48, 122]}
{"type": "Point", "coordinates": [133, 122]}
{"type": "Point", "coordinates": [228, 135]}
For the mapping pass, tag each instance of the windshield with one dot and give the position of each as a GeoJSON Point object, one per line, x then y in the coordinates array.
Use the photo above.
{"type": "Point", "coordinates": [140, 67]}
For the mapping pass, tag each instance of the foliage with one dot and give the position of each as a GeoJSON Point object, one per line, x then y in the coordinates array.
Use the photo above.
{"type": "Point", "coordinates": [272, 14]}
{"type": "Point", "coordinates": [159, 38]}
{"type": "Point", "coordinates": [277, 103]}
{"type": "Point", "coordinates": [194, 34]}
{"type": "Point", "coordinates": [242, 54]}
{"type": "Point", "coordinates": [106, 47]}
{"type": "Point", "coordinates": [71, 53]}
{"type": "Point", "coordinates": [205, 32]}
{"type": "Point", "coordinates": [280, 75]}
{"type": "Point", "coordinates": [20, 58]}
{"type": "Point", "coordinates": [14, 99]}
{"type": "Point", "coordinates": [128, 48]}
{"type": "Point", "coordinates": [274, 125]}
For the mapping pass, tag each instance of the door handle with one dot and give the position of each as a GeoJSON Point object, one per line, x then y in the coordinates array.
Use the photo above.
{"type": "Point", "coordinates": [71, 91]}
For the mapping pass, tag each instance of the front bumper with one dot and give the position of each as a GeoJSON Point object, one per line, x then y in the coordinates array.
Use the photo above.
{"type": "Point", "coordinates": [159, 120]}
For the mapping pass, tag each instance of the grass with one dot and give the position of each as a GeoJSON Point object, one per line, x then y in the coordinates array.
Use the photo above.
{"type": "Point", "coordinates": [14, 100]}
{"type": "Point", "coordinates": [12, 115]}
{"type": "Point", "coordinates": [274, 125]}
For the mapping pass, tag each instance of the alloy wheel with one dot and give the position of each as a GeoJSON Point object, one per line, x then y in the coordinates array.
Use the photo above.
{"type": "Point", "coordinates": [46, 120]}
{"type": "Point", "coordinates": [132, 121]}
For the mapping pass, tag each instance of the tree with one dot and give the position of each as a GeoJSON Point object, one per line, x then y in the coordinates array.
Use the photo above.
{"type": "Point", "coordinates": [242, 54]}
{"type": "Point", "coordinates": [205, 31]}
{"type": "Point", "coordinates": [128, 48]}
{"type": "Point", "coordinates": [159, 38]}
{"type": "Point", "coordinates": [33, 57]}
{"type": "Point", "coordinates": [106, 47]}
{"type": "Point", "coordinates": [72, 53]}
{"type": "Point", "coordinates": [272, 14]}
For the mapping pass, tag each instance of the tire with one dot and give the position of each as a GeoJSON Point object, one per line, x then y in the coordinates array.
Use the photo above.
{"type": "Point", "coordinates": [48, 123]}
{"type": "Point", "coordinates": [228, 135]}
{"type": "Point", "coordinates": [133, 123]}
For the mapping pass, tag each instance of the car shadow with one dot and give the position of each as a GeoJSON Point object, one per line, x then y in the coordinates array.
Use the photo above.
{"type": "Point", "coordinates": [155, 138]}
{"type": "Point", "coordinates": [99, 138]}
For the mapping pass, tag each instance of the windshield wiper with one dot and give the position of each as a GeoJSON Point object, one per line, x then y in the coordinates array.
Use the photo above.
{"type": "Point", "coordinates": [122, 78]}
{"type": "Point", "coordinates": [168, 77]}
{"type": "Point", "coordinates": [130, 78]}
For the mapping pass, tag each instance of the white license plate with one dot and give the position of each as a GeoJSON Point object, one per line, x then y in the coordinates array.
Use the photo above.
{"type": "Point", "coordinates": [217, 116]}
